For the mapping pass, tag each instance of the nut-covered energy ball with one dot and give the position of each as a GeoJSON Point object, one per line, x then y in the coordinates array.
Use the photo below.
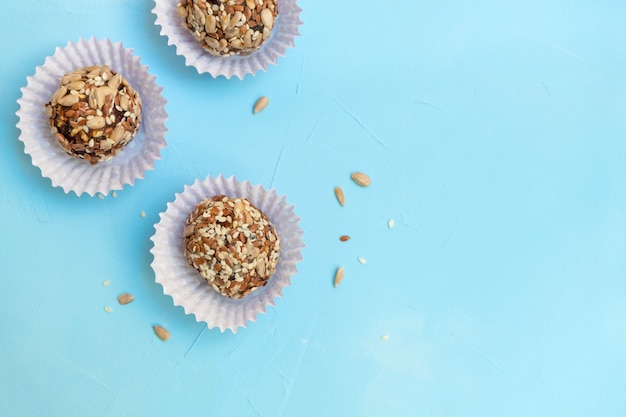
{"type": "Point", "coordinates": [95, 113]}
{"type": "Point", "coordinates": [232, 244]}
{"type": "Point", "coordinates": [229, 27]}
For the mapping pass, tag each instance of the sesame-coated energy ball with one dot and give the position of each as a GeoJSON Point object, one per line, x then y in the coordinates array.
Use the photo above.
{"type": "Point", "coordinates": [229, 27]}
{"type": "Point", "coordinates": [94, 113]}
{"type": "Point", "coordinates": [232, 244]}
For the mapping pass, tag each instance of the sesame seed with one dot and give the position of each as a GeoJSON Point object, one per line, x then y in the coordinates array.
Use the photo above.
{"type": "Point", "coordinates": [101, 196]}
{"type": "Point", "coordinates": [391, 223]}
{"type": "Point", "coordinates": [106, 282]}
{"type": "Point", "coordinates": [361, 260]}
{"type": "Point", "coordinates": [108, 309]}
{"type": "Point", "coordinates": [142, 214]}
{"type": "Point", "coordinates": [384, 337]}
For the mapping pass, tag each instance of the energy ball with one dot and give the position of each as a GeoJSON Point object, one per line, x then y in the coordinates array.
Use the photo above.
{"type": "Point", "coordinates": [229, 27]}
{"type": "Point", "coordinates": [95, 113]}
{"type": "Point", "coordinates": [232, 244]}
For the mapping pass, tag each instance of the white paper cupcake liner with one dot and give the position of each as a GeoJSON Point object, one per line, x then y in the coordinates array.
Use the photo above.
{"type": "Point", "coordinates": [78, 175]}
{"type": "Point", "coordinates": [283, 37]}
{"type": "Point", "coordinates": [185, 285]}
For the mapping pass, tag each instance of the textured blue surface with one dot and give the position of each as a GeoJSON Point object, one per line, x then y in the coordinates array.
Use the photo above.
{"type": "Point", "coordinates": [495, 136]}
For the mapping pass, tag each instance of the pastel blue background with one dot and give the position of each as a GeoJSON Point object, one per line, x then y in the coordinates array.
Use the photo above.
{"type": "Point", "coordinates": [495, 136]}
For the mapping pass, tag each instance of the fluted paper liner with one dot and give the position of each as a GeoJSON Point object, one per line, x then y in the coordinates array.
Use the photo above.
{"type": "Point", "coordinates": [187, 287]}
{"type": "Point", "coordinates": [283, 37]}
{"type": "Point", "coordinates": [78, 175]}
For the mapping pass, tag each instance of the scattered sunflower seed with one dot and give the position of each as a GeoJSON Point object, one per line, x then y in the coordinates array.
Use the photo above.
{"type": "Point", "coordinates": [161, 333]}
{"type": "Point", "coordinates": [260, 104]}
{"type": "Point", "coordinates": [361, 179]}
{"type": "Point", "coordinates": [125, 298]}
{"type": "Point", "coordinates": [340, 197]}
{"type": "Point", "coordinates": [344, 238]}
{"type": "Point", "coordinates": [338, 276]}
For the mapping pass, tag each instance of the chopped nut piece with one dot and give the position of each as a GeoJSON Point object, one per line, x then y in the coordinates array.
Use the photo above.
{"type": "Point", "coordinates": [69, 100]}
{"type": "Point", "coordinates": [125, 298]}
{"type": "Point", "coordinates": [267, 18]}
